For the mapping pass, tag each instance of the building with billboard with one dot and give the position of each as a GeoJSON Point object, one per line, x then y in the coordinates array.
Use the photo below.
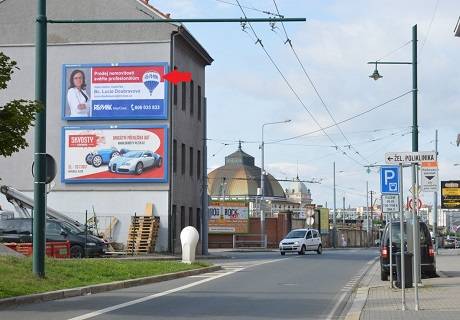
{"type": "Point", "coordinates": [122, 136]}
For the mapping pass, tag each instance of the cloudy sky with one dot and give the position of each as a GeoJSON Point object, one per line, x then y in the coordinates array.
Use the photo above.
{"type": "Point", "coordinates": [245, 90]}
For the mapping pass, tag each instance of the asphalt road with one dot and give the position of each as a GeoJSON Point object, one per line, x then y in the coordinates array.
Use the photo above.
{"type": "Point", "coordinates": [261, 285]}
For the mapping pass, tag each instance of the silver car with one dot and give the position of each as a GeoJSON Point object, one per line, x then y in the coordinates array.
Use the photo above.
{"type": "Point", "coordinates": [135, 162]}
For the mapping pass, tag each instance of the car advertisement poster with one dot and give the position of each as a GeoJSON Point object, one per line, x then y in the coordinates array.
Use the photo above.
{"type": "Point", "coordinates": [228, 217]}
{"type": "Point", "coordinates": [120, 91]}
{"type": "Point", "coordinates": [113, 154]}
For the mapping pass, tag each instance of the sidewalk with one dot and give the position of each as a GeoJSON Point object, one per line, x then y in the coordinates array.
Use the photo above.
{"type": "Point", "coordinates": [438, 297]}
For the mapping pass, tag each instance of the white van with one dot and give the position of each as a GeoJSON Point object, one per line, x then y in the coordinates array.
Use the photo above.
{"type": "Point", "coordinates": [301, 240]}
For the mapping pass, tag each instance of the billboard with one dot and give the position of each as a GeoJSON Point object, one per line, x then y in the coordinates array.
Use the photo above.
{"type": "Point", "coordinates": [114, 91]}
{"type": "Point", "coordinates": [450, 194]}
{"type": "Point", "coordinates": [112, 154]}
{"type": "Point", "coordinates": [228, 217]}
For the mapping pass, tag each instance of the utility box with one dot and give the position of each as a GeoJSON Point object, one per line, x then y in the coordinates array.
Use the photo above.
{"type": "Point", "coordinates": [407, 270]}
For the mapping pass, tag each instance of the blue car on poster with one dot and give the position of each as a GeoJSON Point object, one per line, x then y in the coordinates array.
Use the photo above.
{"type": "Point", "coordinates": [135, 162]}
{"type": "Point", "coordinates": [101, 156]}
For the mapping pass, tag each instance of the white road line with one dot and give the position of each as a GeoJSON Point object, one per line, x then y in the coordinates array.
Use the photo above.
{"type": "Point", "coordinates": [336, 306]}
{"type": "Point", "coordinates": [164, 293]}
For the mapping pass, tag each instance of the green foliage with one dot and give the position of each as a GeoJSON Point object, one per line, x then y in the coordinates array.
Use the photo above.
{"type": "Point", "coordinates": [15, 116]}
{"type": "Point", "coordinates": [16, 277]}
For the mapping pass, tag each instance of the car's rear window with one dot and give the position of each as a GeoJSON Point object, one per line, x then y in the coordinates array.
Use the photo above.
{"type": "Point", "coordinates": [296, 234]}
{"type": "Point", "coordinates": [396, 233]}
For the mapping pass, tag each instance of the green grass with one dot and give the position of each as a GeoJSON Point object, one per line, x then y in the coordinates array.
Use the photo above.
{"type": "Point", "coordinates": [16, 277]}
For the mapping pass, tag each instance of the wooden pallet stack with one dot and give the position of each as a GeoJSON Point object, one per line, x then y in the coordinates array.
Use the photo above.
{"type": "Point", "coordinates": [143, 233]}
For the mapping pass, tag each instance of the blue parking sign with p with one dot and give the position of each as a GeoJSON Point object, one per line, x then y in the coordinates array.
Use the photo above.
{"type": "Point", "coordinates": [389, 179]}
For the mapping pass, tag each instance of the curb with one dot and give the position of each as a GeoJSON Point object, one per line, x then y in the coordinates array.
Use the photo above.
{"type": "Point", "coordinates": [92, 289]}
{"type": "Point", "coordinates": [357, 304]}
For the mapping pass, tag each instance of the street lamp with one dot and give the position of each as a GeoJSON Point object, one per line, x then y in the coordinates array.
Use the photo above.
{"type": "Point", "coordinates": [416, 240]}
{"type": "Point", "coordinates": [262, 173]}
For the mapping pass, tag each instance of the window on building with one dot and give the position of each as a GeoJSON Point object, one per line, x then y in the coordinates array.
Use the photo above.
{"type": "Point", "coordinates": [199, 103]}
{"type": "Point", "coordinates": [198, 164]}
{"type": "Point", "coordinates": [192, 96]}
{"type": "Point", "coordinates": [175, 94]}
{"type": "Point", "coordinates": [198, 220]}
{"type": "Point", "coordinates": [190, 216]}
{"type": "Point", "coordinates": [182, 218]}
{"type": "Point", "coordinates": [174, 155]}
{"type": "Point", "coordinates": [184, 95]}
{"type": "Point", "coordinates": [191, 162]}
{"type": "Point", "coordinates": [173, 221]}
{"type": "Point", "coordinates": [183, 159]}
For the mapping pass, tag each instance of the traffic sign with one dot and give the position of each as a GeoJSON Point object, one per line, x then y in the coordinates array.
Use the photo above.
{"type": "Point", "coordinates": [429, 172]}
{"type": "Point", "coordinates": [390, 203]}
{"type": "Point", "coordinates": [409, 157]}
{"type": "Point", "coordinates": [419, 203]}
{"type": "Point", "coordinates": [417, 189]}
{"type": "Point", "coordinates": [389, 179]}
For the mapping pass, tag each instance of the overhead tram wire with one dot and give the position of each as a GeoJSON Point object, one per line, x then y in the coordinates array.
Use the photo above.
{"type": "Point", "coordinates": [252, 8]}
{"type": "Point", "coordinates": [289, 41]}
{"type": "Point", "coordinates": [343, 121]}
{"type": "Point", "coordinates": [232, 142]}
{"type": "Point", "coordinates": [259, 41]}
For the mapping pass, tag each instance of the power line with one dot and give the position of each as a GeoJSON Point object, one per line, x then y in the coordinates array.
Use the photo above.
{"type": "Point", "coordinates": [393, 51]}
{"type": "Point", "coordinates": [350, 145]}
{"type": "Point", "coordinates": [252, 8]}
{"type": "Point", "coordinates": [259, 41]}
{"type": "Point", "coordinates": [429, 27]}
{"type": "Point", "coordinates": [345, 120]}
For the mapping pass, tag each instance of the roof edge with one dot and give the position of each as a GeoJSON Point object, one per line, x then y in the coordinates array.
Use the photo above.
{"type": "Point", "coordinates": [182, 30]}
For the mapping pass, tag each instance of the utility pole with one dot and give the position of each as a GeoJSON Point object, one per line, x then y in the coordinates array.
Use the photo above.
{"type": "Point", "coordinates": [39, 211]}
{"type": "Point", "coordinates": [416, 239]}
{"type": "Point", "coordinates": [372, 207]}
{"type": "Point", "coordinates": [204, 211]}
{"type": "Point", "coordinates": [435, 202]}
{"type": "Point", "coordinates": [334, 221]}
{"type": "Point", "coordinates": [367, 212]}
{"type": "Point", "coordinates": [343, 212]}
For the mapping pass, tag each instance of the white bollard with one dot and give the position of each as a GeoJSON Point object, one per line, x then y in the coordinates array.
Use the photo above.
{"type": "Point", "coordinates": [189, 238]}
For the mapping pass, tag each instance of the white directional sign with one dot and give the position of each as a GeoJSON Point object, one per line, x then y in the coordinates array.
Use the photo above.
{"type": "Point", "coordinates": [429, 174]}
{"type": "Point", "coordinates": [390, 203]}
{"type": "Point", "coordinates": [409, 157]}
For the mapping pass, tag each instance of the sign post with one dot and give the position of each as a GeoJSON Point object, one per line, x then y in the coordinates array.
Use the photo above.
{"type": "Point", "coordinates": [414, 159]}
{"type": "Point", "coordinates": [390, 187]}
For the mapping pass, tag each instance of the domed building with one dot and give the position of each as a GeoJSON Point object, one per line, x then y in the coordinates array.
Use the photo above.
{"type": "Point", "coordinates": [299, 193]}
{"type": "Point", "coordinates": [239, 179]}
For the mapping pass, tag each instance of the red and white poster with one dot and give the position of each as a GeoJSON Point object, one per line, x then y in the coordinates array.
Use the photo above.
{"type": "Point", "coordinates": [114, 154]}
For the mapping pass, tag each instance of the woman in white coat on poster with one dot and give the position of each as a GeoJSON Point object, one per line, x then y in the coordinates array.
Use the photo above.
{"type": "Point", "coordinates": [77, 98]}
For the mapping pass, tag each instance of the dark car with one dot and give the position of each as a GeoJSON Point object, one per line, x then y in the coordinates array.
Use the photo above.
{"type": "Point", "coordinates": [428, 266]}
{"type": "Point", "coordinates": [20, 230]}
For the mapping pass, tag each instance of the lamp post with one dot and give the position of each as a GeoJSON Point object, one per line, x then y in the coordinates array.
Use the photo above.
{"type": "Point", "coordinates": [262, 216]}
{"type": "Point", "coordinates": [375, 75]}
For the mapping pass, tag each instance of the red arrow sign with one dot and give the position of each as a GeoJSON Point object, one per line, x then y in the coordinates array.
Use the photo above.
{"type": "Point", "coordinates": [178, 76]}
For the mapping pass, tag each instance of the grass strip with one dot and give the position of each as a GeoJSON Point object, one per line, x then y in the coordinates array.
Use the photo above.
{"type": "Point", "coordinates": [16, 277]}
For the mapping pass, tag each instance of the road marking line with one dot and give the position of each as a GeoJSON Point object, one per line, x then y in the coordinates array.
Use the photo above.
{"type": "Point", "coordinates": [336, 306]}
{"type": "Point", "coordinates": [164, 293]}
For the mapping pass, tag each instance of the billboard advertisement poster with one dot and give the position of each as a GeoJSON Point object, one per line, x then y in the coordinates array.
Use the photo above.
{"type": "Point", "coordinates": [228, 217]}
{"type": "Point", "coordinates": [112, 154]}
{"type": "Point", "coordinates": [114, 91]}
{"type": "Point", "coordinates": [450, 194]}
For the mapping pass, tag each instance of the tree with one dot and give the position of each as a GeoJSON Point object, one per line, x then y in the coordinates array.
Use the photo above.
{"type": "Point", "coordinates": [16, 116]}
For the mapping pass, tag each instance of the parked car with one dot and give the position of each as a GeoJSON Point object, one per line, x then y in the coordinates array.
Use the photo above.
{"type": "Point", "coordinates": [428, 266]}
{"type": "Point", "coordinates": [101, 156]}
{"type": "Point", "coordinates": [451, 243]}
{"type": "Point", "coordinates": [300, 241]}
{"type": "Point", "coordinates": [135, 162]}
{"type": "Point", "coordinates": [20, 230]}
